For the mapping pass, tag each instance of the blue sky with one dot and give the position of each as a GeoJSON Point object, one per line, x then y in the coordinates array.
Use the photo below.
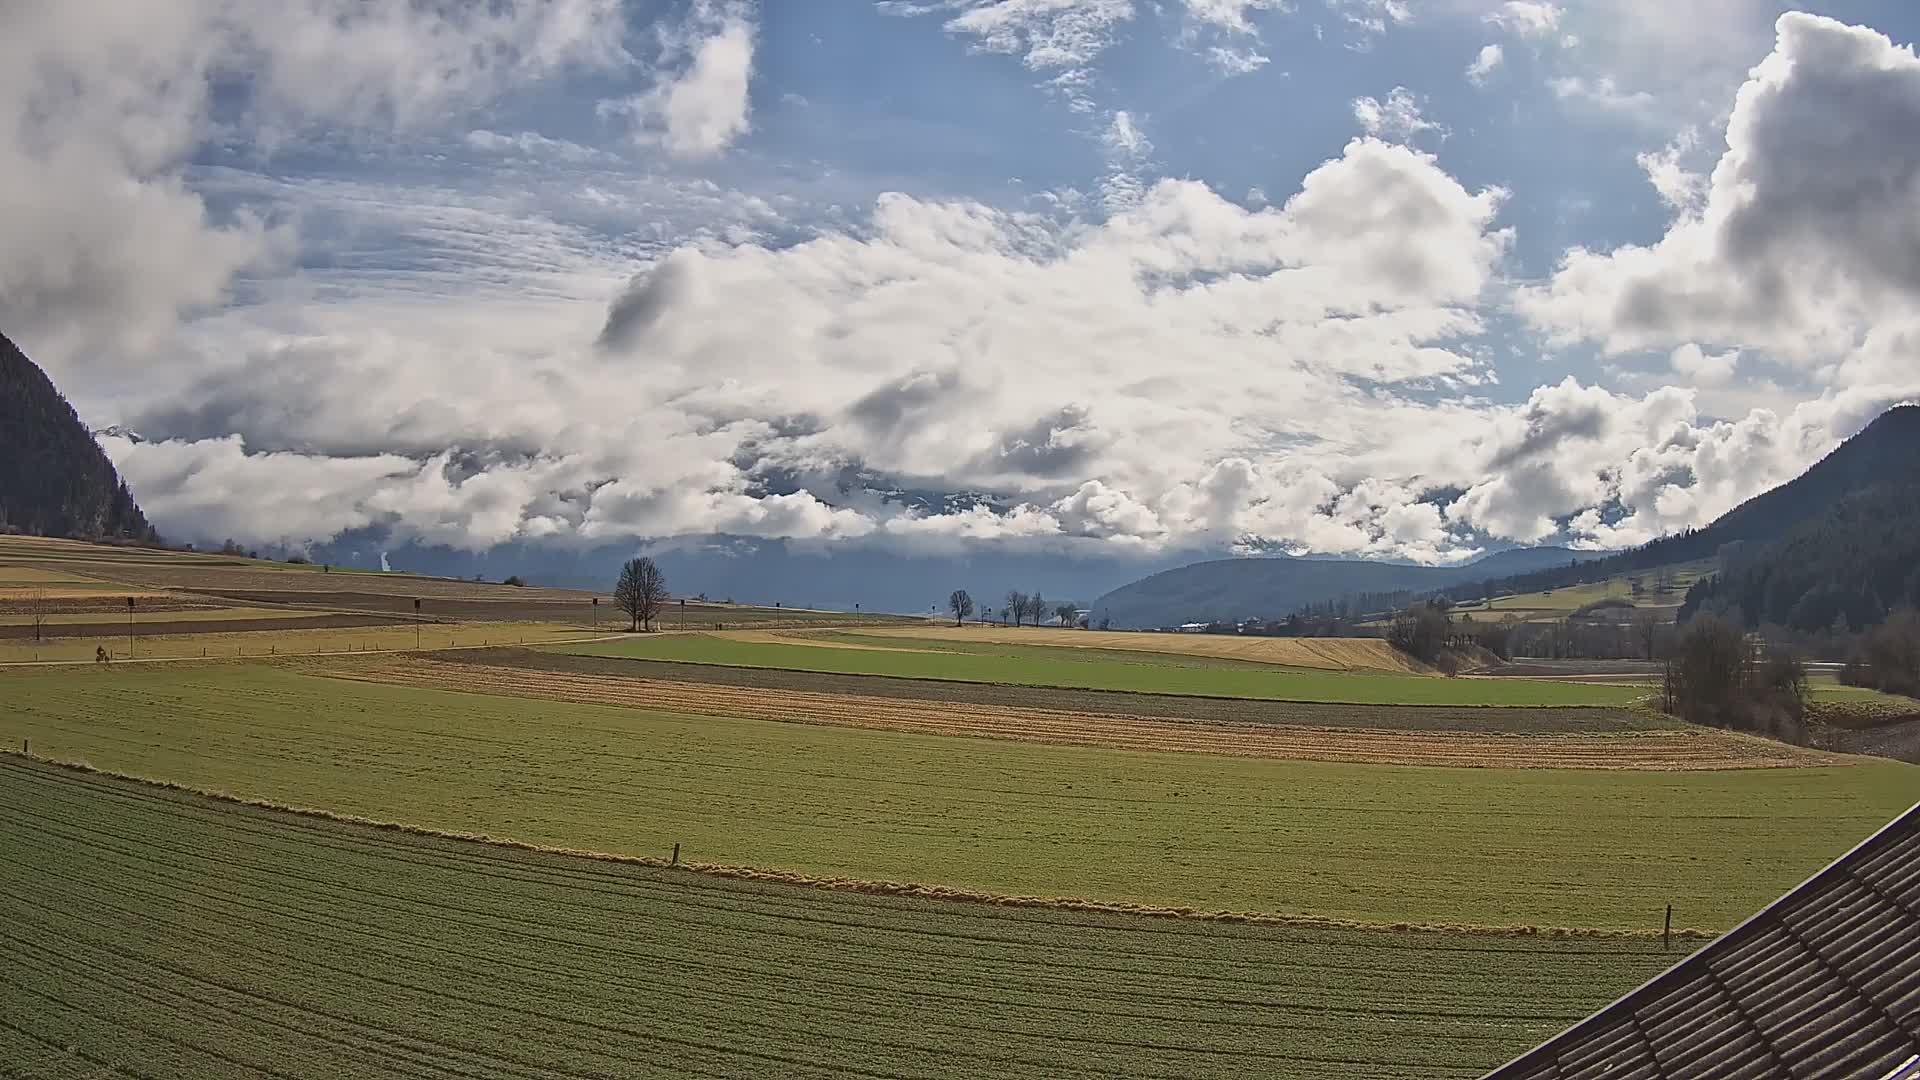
{"type": "Point", "coordinates": [1073, 277]}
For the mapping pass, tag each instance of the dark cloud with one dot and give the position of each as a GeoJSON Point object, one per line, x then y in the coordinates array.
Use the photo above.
{"type": "Point", "coordinates": [887, 408]}
{"type": "Point", "coordinates": [647, 299]}
{"type": "Point", "coordinates": [1053, 446]}
{"type": "Point", "coordinates": [1547, 429]}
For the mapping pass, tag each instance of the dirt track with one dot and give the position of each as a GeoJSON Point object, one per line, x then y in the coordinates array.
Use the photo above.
{"type": "Point", "coordinates": [1660, 750]}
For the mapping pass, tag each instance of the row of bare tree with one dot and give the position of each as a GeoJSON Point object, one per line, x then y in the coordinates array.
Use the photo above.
{"type": "Point", "coordinates": [1020, 607]}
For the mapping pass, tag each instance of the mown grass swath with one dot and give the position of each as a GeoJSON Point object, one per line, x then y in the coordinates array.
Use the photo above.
{"type": "Point", "coordinates": [1382, 844]}
{"type": "Point", "coordinates": [193, 939]}
{"type": "Point", "coordinates": [1062, 667]}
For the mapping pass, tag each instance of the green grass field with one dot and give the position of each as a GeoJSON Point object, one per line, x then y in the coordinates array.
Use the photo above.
{"type": "Point", "coordinates": [1374, 843]}
{"type": "Point", "coordinates": [185, 939]}
{"type": "Point", "coordinates": [1040, 665]}
{"type": "Point", "coordinates": [1558, 603]}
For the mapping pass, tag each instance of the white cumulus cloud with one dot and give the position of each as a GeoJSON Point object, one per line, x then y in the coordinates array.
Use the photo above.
{"type": "Point", "coordinates": [1484, 63]}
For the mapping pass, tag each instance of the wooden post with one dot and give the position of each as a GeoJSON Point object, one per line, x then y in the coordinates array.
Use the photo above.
{"type": "Point", "coordinates": [676, 855]}
{"type": "Point", "coordinates": [1666, 933]}
{"type": "Point", "coordinates": [26, 747]}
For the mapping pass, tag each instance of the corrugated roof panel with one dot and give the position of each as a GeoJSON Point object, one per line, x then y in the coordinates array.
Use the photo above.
{"type": "Point", "coordinates": [1823, 985]}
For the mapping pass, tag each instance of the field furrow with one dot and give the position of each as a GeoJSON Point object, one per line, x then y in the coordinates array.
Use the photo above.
{"type": "Point", "coordinates": [165, 935]}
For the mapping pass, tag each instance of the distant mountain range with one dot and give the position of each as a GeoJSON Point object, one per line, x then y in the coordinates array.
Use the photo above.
{"type": "Point", "coordinates": [1272, 588]}
{"type": "Point", "coordinates": [1840, 544]}
{"type": "Point", "coordinates": [54, 478]}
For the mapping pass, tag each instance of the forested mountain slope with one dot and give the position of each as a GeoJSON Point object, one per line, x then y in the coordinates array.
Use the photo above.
{"type": "Point", "coordinates": [1840, 537]}
{"type": "Point", "coordinates": [54, 478]}
{"type": "Point", "coordinates": [1867, 483]}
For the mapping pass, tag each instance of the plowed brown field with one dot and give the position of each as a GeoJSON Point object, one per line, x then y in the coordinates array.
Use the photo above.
{"type": "Point", "coordinates": [1329, 654]}
{"type": "Point", "coordinates": [1664, 750]}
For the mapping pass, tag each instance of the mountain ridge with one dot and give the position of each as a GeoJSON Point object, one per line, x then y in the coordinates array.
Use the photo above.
{"type": "Point", "coordinates": [1275, 586]}
{"type": "Point", "coordinates": [54, 478]}
{"type": "Point", "coordinates": [1882, 456]}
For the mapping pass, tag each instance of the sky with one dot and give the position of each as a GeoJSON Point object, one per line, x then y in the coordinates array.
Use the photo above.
{"type": "Point", "coordinates": [1073, 279]}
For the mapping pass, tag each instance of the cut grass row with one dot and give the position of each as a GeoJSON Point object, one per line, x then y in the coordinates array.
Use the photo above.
{"type": "Point", "coordinates": [163, 935]}
{"type": "Point", "coordinates": [1039, 665]}
{"type": "Point", "coordinates": [1380, 844]}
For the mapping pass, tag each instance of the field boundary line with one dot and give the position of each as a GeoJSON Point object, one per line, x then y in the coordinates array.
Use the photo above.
{"type": "Point", "coordinates": [911, 890]}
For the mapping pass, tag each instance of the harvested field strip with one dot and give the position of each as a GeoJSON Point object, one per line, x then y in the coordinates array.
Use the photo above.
{"type": "Point", "coordinates": [1367, 843]}
{"type": "Point", "coordinates": [113, 613]}
{"type": "Point", "coordinates": [1044, 666]}
{"type": "Point", "coordinates": [173, 937]}
{"type": "Point", "coordinates": [40, 577]}
{"type": "Point", "coordinates": [1512, 719]}
{"type": "Point", "coordinates": [824, 640]}
{"type": "Point", "coordinates": [1332, 654]}
{"type": "Point", "coordinates": [173, 624]}
{"type": "Point", "coordinates": [1649, 750]}
{"type": "Point", "coordinates": [280, 637]}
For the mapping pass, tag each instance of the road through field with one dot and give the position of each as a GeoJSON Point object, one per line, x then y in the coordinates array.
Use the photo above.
{"type": "Point", "coordinates": [1380, 844]}
{"type": "Point", "coordinates": [161, 935]}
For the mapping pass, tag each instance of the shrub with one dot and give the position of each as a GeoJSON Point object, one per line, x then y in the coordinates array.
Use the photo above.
{"type": "Point", "coordinates": [1888, 657]}
{"type": "Point", "coordinates": [515, 581]}
{"type": "Point", "coordinates": [1420, 631]}
{"type": "Point", "coordinates": [1714, 678]}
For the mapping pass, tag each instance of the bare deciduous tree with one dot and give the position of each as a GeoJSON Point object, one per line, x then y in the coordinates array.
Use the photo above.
{"type": "Point", "coordinates": [641, 591]}
{"type": "Point", "coordinates": [37, 611]}
{"type": "Point", "coordinates": [1036, 608]}
{"type": "Point", "coordinates": [1016, 606]}
{"type": "Point", "coordinates": [961, 604]}
{"type": "Point", "coordinates": [1646, 631]}
{"type": "Point", "coordinates": [1066, 612]}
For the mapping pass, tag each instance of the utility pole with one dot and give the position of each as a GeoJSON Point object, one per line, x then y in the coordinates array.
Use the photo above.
{"type": "Point", "coordinates": [129, 627]}
{"type": "Point", "coordinates": [416, 624]}
{"type": "Point", "coordinates": [596, 614]}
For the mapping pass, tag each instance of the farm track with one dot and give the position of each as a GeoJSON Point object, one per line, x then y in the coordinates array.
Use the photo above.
{"type": "Point", "coordinates": [172, 936]}
{"type": "Point", "coordinates": [1508, 719]}
{"type": "Point", "coordinates": [1642, 751]}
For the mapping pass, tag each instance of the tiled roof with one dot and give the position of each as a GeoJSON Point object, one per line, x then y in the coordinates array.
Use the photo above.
{"type": "Point", "coordinates": [1824, 983]}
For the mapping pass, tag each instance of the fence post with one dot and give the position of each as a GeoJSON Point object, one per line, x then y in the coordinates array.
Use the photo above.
{"type": "Point", "coordinates": [1666, 933]}
{"type": "Point", "coordinates": [676, 855]}
{"type": "Point", "coordinates": [26, 747]}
